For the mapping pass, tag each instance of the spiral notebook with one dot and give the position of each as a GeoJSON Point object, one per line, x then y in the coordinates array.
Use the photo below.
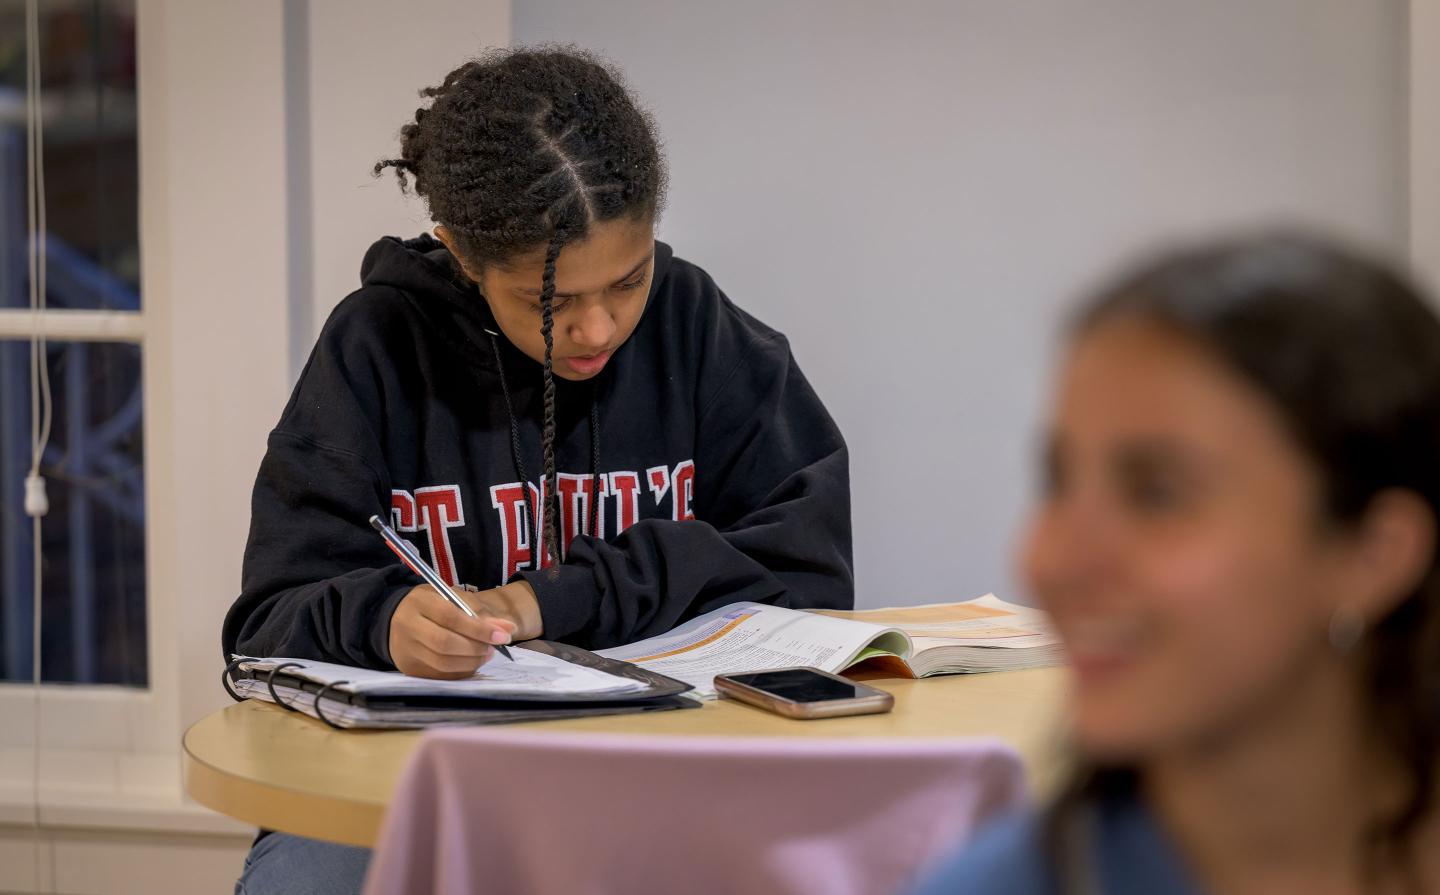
{"type": "Point", "coordinates": [546, 680]}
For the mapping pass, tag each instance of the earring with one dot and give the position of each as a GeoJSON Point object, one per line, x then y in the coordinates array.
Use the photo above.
{"type": "Point", "coordinates": [1347, 627]}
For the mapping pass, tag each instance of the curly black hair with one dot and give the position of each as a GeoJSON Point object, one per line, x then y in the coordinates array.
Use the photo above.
{"type": "Point", "coordinates": [524, 149]}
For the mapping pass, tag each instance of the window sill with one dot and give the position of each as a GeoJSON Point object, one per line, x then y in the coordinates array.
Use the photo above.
{"type": "Point", "coordinates": [102, 790]}
{"type": "Point", "coordinates": [93, 718]}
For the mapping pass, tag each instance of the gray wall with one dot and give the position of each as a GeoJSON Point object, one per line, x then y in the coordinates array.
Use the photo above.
{"type": "Point", "coordinates": [913, 190]}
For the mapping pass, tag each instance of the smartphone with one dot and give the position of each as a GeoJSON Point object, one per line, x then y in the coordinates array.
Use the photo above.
{"type": "Point", "coordinates": [803, 693]}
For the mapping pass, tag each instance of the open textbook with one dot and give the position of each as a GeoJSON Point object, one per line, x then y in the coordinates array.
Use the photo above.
{"type": "Point", "coordinates": [985, 634]}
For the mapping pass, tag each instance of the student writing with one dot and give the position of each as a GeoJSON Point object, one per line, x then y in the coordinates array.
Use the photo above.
{"type": "Point", "coordinates": [566, 415]}
{"type": "Point", "coordinates": [560, 412]}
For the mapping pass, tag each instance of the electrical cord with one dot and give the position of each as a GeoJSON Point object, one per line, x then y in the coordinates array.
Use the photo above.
{"type": "Point", "coordinates": [41, 406]}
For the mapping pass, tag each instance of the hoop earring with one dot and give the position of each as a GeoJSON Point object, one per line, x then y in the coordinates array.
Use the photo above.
{"type": "Point", "coordinates": [1347, 629]}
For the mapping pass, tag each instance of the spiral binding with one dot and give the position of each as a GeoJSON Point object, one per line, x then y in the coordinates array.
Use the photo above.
{"type": "Point", "coordinates": [321, 715]}
{"type": "Point", "coordinates": [270, 682]}
{"type": "Point", "coordinates": [225, 678]}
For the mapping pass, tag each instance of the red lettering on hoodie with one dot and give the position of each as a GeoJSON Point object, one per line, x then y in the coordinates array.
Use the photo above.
{"type": "Point", "coordinates": [402, 511]}
{"type": "Point", "coordinates": [683, 481]}
{"type": "Point", "coordinates": [618, 494]}
{"type": "Point", "coordinates": [439, 510]}
{"type": "Point", "coordinates": [625, 488]}
{"type": "Point", "coordinates": [576, 493]}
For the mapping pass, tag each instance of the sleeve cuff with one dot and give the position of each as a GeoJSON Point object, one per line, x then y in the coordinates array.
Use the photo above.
{"type": "Point", "coordinates": [567, 596]}
{"type": "Point", "coordinates": [380, 629]}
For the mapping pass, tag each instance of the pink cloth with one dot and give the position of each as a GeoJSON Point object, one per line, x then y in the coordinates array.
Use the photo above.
{"type": "Point", "coordinates": [490, 811]}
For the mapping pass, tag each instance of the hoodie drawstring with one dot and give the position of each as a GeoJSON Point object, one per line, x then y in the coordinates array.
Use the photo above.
{"type": "Point", "coordinates": [594, 530]}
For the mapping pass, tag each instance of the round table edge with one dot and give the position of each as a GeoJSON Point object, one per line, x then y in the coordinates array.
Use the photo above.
{"type": "Point", "coordinates": [278, 808]}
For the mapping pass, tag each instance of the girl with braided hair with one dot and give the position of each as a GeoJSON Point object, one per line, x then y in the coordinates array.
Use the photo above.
{"type": "Point", "coordinates": [578, 427]}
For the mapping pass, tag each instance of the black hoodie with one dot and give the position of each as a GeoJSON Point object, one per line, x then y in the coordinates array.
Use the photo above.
{"type": "Point", "coordinates": [722, 477]}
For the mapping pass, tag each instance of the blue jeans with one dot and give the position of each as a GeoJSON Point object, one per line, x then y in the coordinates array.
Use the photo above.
{"type": "Point", "coordinates": [282, 863]}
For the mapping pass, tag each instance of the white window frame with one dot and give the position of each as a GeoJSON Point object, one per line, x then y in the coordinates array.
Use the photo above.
{"type": "Point", "coordinates": [84, 717]}
{"type": "Point", "coordinates": [214, 327]}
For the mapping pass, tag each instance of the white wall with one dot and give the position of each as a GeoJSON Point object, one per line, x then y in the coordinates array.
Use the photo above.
{"type": "Point", "coordinates": [367, 62]}
{"type": "Point", "coordinates": [206, 308]}
{"type": "Point", "coordinates": [912, 190]}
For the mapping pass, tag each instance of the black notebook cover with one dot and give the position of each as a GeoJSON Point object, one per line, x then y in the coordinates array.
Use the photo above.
{"type": "Point", "coordinates": [660, 693]}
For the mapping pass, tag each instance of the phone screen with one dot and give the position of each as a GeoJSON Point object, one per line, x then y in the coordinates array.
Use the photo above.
{"type": "Point", "coordinates": [801, 685]}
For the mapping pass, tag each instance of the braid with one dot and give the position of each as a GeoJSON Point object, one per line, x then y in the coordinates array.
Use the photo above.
{"type": "Point", "coordinates": [547, 449]}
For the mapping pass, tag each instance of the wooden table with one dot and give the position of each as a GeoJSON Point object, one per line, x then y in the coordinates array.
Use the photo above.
{"type": "Point", "coordinates": [285, 771]}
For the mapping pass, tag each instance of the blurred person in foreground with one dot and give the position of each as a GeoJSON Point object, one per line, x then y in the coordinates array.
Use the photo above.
{"type": "Point", "coordinates": [1237, 542]}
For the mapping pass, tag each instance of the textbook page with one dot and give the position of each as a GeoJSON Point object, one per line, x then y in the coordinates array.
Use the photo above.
{"type": "Point", "coordinates": [984, 634]}
{"type": "Point", "coordinates": [529, 673]}
{"type": "Point", "coordinates": [754, 637]}
{"type": "Point", "coordinates": [984, 621]}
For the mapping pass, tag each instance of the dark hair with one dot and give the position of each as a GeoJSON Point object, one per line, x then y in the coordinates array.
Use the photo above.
{"type": "Point", "coordinates": [1348, 353]}
{"type": "Point", "coordinates": [528, 148]}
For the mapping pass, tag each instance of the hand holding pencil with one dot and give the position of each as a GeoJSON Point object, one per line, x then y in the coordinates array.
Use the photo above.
{"type": "Point", "coordinates": [429, 637]}
{"type": "Point", "coordinates": [437, 633]}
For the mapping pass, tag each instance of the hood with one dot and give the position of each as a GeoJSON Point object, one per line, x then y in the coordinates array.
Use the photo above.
{"type": "Point", "coordinates": [420, 266]}
{"type": "Point", "coordinates": [423, 266]}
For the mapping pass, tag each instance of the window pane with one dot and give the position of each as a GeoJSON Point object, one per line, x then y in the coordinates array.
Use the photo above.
{"type": "Point", "coordinates": [93, 542]}
{"type": "Point", "coordinates": [87, 81]}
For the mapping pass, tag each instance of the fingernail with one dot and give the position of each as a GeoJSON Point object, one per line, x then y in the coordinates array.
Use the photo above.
{"type": "Point", "coordinates": [500, 637]}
